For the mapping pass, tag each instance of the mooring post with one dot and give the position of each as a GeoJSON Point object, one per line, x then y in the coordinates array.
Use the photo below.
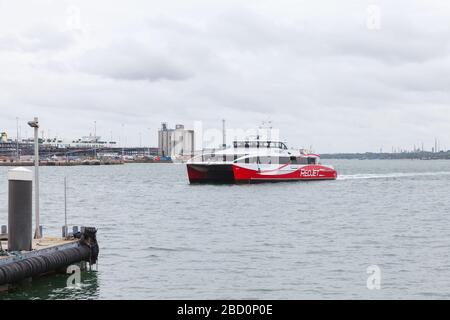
{"type": "Point", "coordinates": [20, 198]}
{"type": "Point", "coordinates": [64, 231]}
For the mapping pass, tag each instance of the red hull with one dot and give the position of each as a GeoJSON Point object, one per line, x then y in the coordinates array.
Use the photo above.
{"type": "Point", "coordinates": [220, 173]}
{"type": "Point", "coordinates": [312, 172]}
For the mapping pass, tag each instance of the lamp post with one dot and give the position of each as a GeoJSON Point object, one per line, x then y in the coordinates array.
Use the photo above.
{"type": "Point", "coordinates": [123, 142]}
{"type": "Point", "coordinates": [35, 124]}
{"type": "Point", "coordinates": [95, 140]}
{"type": "Point", "coordinates": [224, 137]}
{"type": "Point", "coordinates": [149, 129]}
{"type": "Point", "coordinates": [17, 139]}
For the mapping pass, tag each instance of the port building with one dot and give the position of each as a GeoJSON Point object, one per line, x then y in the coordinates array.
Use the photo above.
{"type": "Point", "coordinates": [176, 143]}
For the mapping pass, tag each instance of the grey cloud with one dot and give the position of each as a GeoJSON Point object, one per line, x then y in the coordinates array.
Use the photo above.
{"type": "Point", "coordinates": [130, 60]}
{"type": "Point", "coordinates": [40, 37]}
{"type": "Point", "coordinates": [399, 40]}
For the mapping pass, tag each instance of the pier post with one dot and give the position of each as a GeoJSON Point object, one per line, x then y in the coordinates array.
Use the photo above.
{"type": "Point", "coordinates": [20, 188]}
{"type": "Point", "coordinates": [64, 231]}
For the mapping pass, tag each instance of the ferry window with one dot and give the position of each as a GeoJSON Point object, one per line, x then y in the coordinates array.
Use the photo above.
{"type": "Point", "coordinates": [274, 145]}
{"type": "Point", "coordinates": [265, 160]}
{"type": "Point", "coordinates": [284, 160]}
{"type": "Point", "coordinates": [262, 144]}
{"type": "Point", "coordinates": [235, 145]}
{"type": "Point", "coordinates": [253, 160]}
{"type": "Point", "coordinates": [235, 157]}
{"type": "Point", "coordinates": [311, 160]}
{"type": "Point", "coordinates": [293, 160]}
{"type": "Point", "coordinates": [243, 160]}
{"type": "Point", "coordinates": [303, 160]}
{"type": "Point", "coordinates": [247, 145]}
{"type": "Point", "coordinates": [227, 157]}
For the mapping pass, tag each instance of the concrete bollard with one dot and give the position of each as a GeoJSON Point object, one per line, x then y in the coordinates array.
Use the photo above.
{"type": "Point", "coordinates": [20, 209]}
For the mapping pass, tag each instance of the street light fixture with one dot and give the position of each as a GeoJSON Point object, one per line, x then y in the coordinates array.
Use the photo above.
{"type": "Point", "coordinates": [35, 124]}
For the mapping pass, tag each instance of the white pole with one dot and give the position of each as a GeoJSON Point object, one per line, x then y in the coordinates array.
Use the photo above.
{"type": "Point", "coordinates": [95, 139]}
{"type": "Point", "coordinates": [123, 141]}
{"type": "Point", "coordinates": [149, 130]}
{"type": "Point", "coordinates": [17, 139]}
{"type": "Point", "coordinates": [224, 137]}
{"type": "Point", "coordinates": [65, 204]}
{"type": "Point", "coordinates": [37, 234]}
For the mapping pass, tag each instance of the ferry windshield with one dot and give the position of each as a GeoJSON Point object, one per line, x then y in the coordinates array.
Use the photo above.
{"type": "Point", "coordinates": [214, 157]}
{"type": "Point", "coordinates": [265, 160]}
{"type": "Point", "coordinates": [259, 144]}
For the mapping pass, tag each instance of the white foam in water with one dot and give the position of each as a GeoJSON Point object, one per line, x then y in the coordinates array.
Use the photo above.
{"type": "Point", "coordinates": [390, 175]}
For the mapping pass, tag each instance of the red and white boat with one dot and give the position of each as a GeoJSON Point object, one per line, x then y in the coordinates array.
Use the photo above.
{"type": "Point", "coordinates": [257, 161]}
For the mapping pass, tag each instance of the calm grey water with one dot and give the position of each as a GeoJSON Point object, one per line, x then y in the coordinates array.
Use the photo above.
{"type": "Point", "coordinates": [162, 238]}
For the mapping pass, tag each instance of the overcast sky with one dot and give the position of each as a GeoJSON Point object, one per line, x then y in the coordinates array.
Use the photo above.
{"type": "Point", "coordinates": [337, 75]}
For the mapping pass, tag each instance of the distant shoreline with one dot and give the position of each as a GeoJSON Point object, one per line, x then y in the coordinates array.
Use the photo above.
{"type": "Point", "coordinates": [389, 156]}
{"type": "Point", "coordinates": [77, 163]}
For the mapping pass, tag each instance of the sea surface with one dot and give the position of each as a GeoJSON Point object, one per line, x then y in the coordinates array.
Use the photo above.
{"type": "Point", "coordinates": [161, 238]}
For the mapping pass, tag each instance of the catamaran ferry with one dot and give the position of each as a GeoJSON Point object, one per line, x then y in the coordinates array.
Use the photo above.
{"type": "Point", "coordinates": [257, 160]}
